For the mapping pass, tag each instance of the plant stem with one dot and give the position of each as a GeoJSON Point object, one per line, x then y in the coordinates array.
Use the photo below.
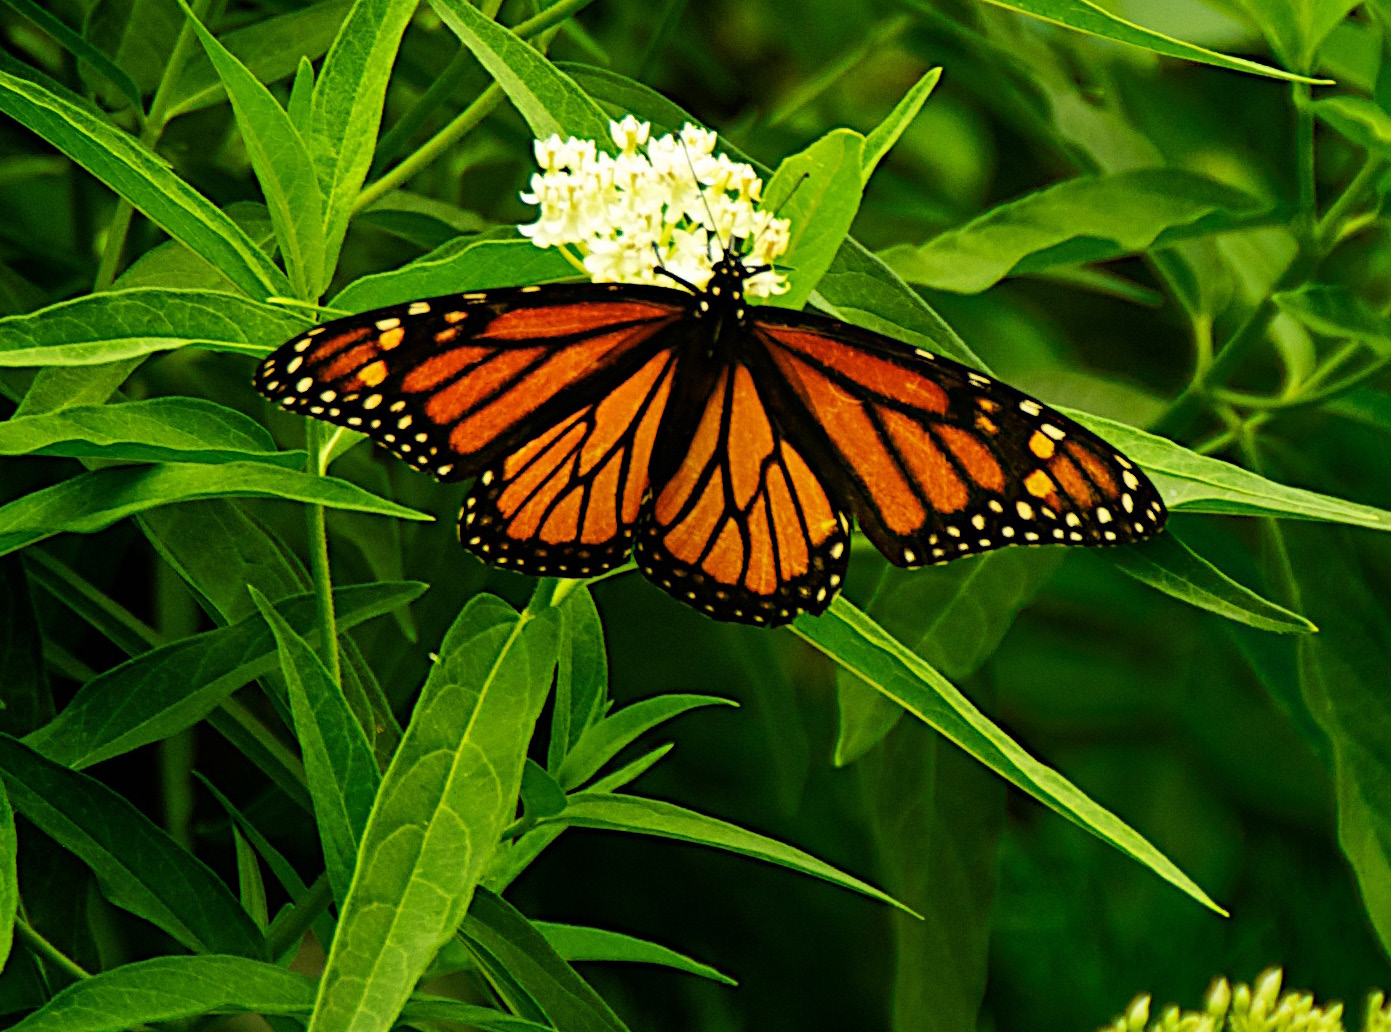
{"type": "Point", "coordinates": [155, 122]}
{"type": "Point", "coordinates": [1326, 232]}
{"type": "Point", "coordinates": [544, 25]}
{"type": "Point", "coordinates": [46, 949]}
{"type": "Point", "coordinates": [318, 557]}
{"type": "Point", "coordinates": [432, 148]}
{"type": "Point", "coordinates": [1304, 165]}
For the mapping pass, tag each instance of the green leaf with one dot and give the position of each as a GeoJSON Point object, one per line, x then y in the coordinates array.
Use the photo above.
{"type": "Point", "coordinates": [936, 817]}
{"type": "Point", "coordinates": [1088, 219]}
{"type": "Point", "coordinates": [578, 943]}
{"type": "Point", "coordinates": [456, 267]}
{"type": "Point", "coordinates": [421, 1007]}
{"type": "Point", "coordinates": [158, 430]}
{"type": "Point", "coordinates": [28, 699]}
{"type": "Point", "coordinates": [77, 45]}
{"type": "Point", "coordinates": [1342, 675]}
{"type": "Point", "coordinates": [954, 617]}
{"type": "Point", "coordinates": [1297, 28]}
{"type": "Point", "coordinates": [165, 690]}
{"type": "Point", "coordinates": [604, 740]}
{"type": "Point", "coordinates": [251, 889]}
{"type": "Point", "coordinates": [282, 163]}
{"type": "Point", "coordinates": [547, 99]}
{"type": "Point", "coordinates": [1335, 311]}
{"type": "Point", "coordinates": [143, 179]}
{"type": "Point", "coordinates": [347, 110]}
{"type": "Point", "coordinates": [1190, 482]}
{"type": "Point", "coordinates": [612, 812]}
{"type": "Point", "coordinates": [450, 790]}
{"type": "Point", "coordinates": [542, 795]}
{"type": "Point", "coordinates": [527, 972]}
{"type": "Point", "coordinates": [582, 676]}
{"type": "Point", "coordinates": [94, 501]}
{"type": "Point", "coordinates": [819, 190]}
{"type": "Point", "coordinates": [271, 49]}
{"type": "Point", "coordinates": [338, 761]}
{"type": "Point", "coordinates": [170, 988]}
{"type": "Point", "coordinates": [9, 876]}
{"type": "Point", "coordinates": [861, 289]}
{"type": "Point", "coordinates": [884, 135]}
{"type": "Point", "coordinates": [1169, 565]}
{"type": "Point", "coordinates": [862, 647]}
{"type": "Point", "coordinates": [1361, 120]}
{"type": "Point", "coordinates": [140, 868]}
{"type": "Point", "coordinates": [1094, 20]}
{"type": "Point", "coordinates": [123, 324]}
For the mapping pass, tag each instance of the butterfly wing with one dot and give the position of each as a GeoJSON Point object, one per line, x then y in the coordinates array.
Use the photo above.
{"type": "Point", "coordinates": [452, 384]}
{"type": "Point", "coordinates": [566, 502]}
{"type": "Point", "coordinates": [740, 526]}
{"type": "Point", "coordinates": [936, 460]}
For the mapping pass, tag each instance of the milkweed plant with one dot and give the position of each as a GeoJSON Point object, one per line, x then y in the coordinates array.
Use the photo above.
{"type": "Point", "coordinates": [272, 744]}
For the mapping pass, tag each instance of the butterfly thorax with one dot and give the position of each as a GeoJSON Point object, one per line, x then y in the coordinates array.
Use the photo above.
{"type": "Point", "coordinates": [721, 305]}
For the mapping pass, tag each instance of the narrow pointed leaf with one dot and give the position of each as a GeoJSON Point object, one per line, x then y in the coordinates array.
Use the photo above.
{"type": "Point", "coordinates": [547, 98]}
{"type": "Point", "coordinates": [1091, 218]}
{"type": "Point", "coordinates": [613, 812]}
{"type": "Point", "coordinates": [578, 943]}
{"type": "Point", "coordinates": [862, 647]}
{"type": "Point", "coordinates": [171, 988]}
{"type": "Point", "coordinates": [1095, 20]}
{"type": "Point", "coordinates": [1169, 565]}
{"type": "Point", "coordinates": [515, 953]}
{"type": "Point", "coordinates": [158, 430]}
{"type": "Point", "coordinates": [140, 868]}
{"type": "Point", "coordinates": [9, 876]}
{"type": "Point", "coordinates": [603, 741]}
{"type": "Point", "coordinates": [143, 178]}
{"type": "Point", "coordinates": [123, 324]}
{"type": "Point", "coordinates": [338, 761]}
{"type": "Point", "coordinates": [450, 790]}
{"type": "Point", "coordinates": [884, 135]}
{"type": "Point", "coordinates": [347, 109]}
{"type": "Point", "coordinates": [165, 690]}
{"type": "Point", "coordinates": [282, 163]}
{"type": "Point", "coordinates": [93, 501]}
{"type": "Point", "coordinates": [1191, 482]}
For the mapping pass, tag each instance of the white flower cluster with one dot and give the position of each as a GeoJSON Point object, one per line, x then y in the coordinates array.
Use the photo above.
{"type": "Point", "coordinates": [667, 202]}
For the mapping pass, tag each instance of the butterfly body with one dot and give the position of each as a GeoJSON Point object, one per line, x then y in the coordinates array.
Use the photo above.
{"type": "Point", "coordinates": [721, 443]}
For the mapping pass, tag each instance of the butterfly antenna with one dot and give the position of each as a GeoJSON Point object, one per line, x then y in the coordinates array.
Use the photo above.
{"type": "Point", "coordinates": [783, 203]}
{"type": "Point", "coordinates": [714, 229]}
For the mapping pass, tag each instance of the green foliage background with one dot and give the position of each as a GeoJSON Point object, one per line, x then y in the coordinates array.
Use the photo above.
{"type": "Point", "coordinates": [1163, 215]}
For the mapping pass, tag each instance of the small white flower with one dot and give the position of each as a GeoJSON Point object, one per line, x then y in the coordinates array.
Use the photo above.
{"type": "Point", "coordinates": [668, 201]}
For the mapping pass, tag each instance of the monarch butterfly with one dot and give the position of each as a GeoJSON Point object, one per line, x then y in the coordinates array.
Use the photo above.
{"type": "Point", "coordinates": [727, 444]}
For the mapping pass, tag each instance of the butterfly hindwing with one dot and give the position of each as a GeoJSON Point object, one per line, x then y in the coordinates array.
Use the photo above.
{"type": "Point", "coordinates": [451, 384]}
{"type": "Point", "coordinates": [565, 503]}
{"type": "Point", "coordinates": [938, 461]}
{"type": "Point", "coordinates": [740, 526]}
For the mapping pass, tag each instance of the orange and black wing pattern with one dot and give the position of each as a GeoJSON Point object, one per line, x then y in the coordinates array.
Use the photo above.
{"type": "Point", "coordinates": [937, 461]}
{"type": "Point", "coordinates": [740, 525]}
{"type": "Point", "coordinates": [452, 384]}
{"type": "Point", "coordinates": [567, 501]}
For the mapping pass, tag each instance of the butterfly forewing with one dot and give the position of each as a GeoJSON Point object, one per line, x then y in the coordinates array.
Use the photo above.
{"type": "Point", "coordinates": [741, 528]}
{"type": "Point", "coordinates": [450, 384]}
{"type": "Point", "coordinates": [938, 461]}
